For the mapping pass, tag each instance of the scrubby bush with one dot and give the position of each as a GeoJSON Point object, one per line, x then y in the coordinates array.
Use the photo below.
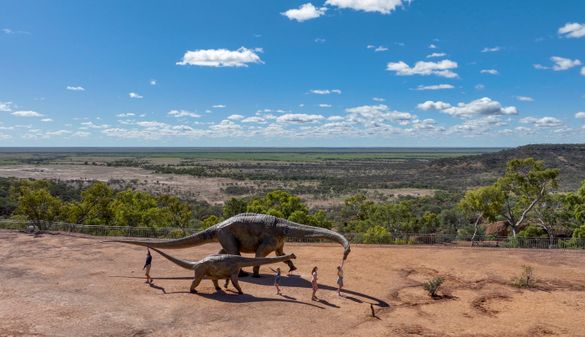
{"type": "Point", "coordinates": [525, 279]}
{"type": "Point", "coordinates": [377, 234]}
{"type": "Point", "coordinates": [432, 286]}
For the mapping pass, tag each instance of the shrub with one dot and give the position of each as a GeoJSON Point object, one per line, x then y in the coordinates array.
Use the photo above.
{"type": "Point", "coordinates": [377, 234]}
{"type": "Point", "coordinates": [525, 279]}
{"type": "Point", "coordinates": [433, 286]}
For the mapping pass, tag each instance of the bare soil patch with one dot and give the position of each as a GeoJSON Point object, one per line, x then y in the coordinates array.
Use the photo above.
{"type": "Point", "coordinates": [60, 285]}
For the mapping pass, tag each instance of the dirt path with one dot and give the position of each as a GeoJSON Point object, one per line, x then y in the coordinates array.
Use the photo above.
{"type": "Point", "coordinates": [58, 285]}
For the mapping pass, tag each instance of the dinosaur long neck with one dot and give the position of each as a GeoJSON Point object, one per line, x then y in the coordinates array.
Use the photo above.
{"type": "Point", "coordinates": [206, 236]}
{"type": "Point", "coordinates": [259, 261]}
{"type": "Point", "coordinates": [183, 263]}
{"type": "Point", "coordinates": [295, 230]}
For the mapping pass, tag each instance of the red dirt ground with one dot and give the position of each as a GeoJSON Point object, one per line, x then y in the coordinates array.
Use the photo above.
{"type": "Point", "coordinates": [59, 285]}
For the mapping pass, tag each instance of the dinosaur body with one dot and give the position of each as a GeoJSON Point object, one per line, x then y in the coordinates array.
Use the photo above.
{"type": "Point", "coordinates": [222, 266]}
{"type": "Point", "coordinates": [260, 234]}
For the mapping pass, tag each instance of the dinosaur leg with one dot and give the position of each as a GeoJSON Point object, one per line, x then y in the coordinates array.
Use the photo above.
{"type": "Point", "coordinates": [230, 246]}
{"type": "Point", "coordinates": [216, 285]}
{"type": "Point", "coordinates": [227, 282]}
{"type": "Point", "coordinates": [263, 250]}
{"type": "Point", "coordinates": [196, 280]}
{"type": "Point", "coordinates": [234, 279]}
{"type": "Point", "coordinates": [280, 252]}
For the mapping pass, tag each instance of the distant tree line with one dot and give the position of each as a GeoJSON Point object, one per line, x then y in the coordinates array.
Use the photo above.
{"type": "Point", "coordinates": [524, 199]}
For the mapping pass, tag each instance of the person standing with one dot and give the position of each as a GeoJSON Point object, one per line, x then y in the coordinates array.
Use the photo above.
{"type": "Point", "coordinates": [339, 279]}
{"type": "Point", "coordinates": [147, 266]}
{"type": "Point", "coordinates": [277, 280]}
{"type": "Point", "coordinates": [314, 284]}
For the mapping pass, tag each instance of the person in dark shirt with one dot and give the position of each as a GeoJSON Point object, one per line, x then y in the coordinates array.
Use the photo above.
{"type": "Point", "coordinates": [147, 266]}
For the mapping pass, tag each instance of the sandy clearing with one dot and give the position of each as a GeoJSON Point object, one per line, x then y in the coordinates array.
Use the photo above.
{"type": "Point", "coordinates": [59, 285]}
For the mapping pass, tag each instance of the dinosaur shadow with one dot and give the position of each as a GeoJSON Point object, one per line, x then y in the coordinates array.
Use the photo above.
{"type": "Point", "coordinates": [299, 282]}
{"type": "Point", "coordinates": [231, 296]}
{"type": "Point", "coordinates": [266, 280]}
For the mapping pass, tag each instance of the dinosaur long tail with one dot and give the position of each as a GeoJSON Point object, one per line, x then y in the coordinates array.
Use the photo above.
{"type": "Point", "coordinates": [183, 263]}
{"type": "Point", "coordinates": [296, 230]}
{"type": "Point", "coordinates": [259, 261]}
{"type": "Point", "coordinates": [196, 239]}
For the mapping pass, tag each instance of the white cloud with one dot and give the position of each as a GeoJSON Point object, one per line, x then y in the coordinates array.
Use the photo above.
{"type": "Point", "coordinates": [430, 105]}
{"type": "Point", "coordinates": [432, 46]}
{"type": "Point", "coordinates": [81, 134]}
{"type": "Point", "coordinates": [525, 98]}
{"type": "Point", "coordinates": [254, 119]}
{"type": "Point", "coordinates": [572, 30]}
{"type": "Point", "coordinates": [235, 117]}
{"type": "Point", "coordinates": [58, 133]}
{"type": "Point", "coordinates": [484, 106]}
{"type": "Point", "coordinates": [378, 99]}
{"type": "Point", "coordinates": [369, 114]}
{"type": "Point", "coordinates": [91, 125]}
{"type": "Point", "coordinates": [323, 105]}
{"type": "Point", "coordinates": [46, 120]}
{"type": "Point", "coordinates": [441, 68]}
{"type": "Point", "coordinates": [490, 49]}
{"type": "Point", "coordinates": [380, 6]}
{"type": "Point", "coordinates": [479, 87]}
{"type": "Point", "coordinates": [326, 91]}
{"type": "Point", "coordinates": [152, 82]}
{"type": "Point", "coordinates": [218, 106]}
{"type": "Point", "coordinates": [134, 95]}
{"type": "Point", "coordinates": [221, 57]}
{"type": "Point", "coordinates": [436, 55]}
{"type": "Point", "coordinates": [580, 115]}
{"type": "Point", "coordinates": [26, 114]}
{"type": "Point", "coordinates": [560, 64]}
{"type": "Point", "coordinates": [5, 106]}
{"type": "Point", "coordinates": [304, 12]}
{"type": "Point", "coordinates": [544, 122]}
{"type": "Point", "coordinates": [183, 113]}
{"type": "Point", "coordinates": [299, 118]}
{"type": "Point", "coordinates": [583, 71]}
{"type": "Point", "coordinates": [128, 114]}
{"type": "Point", "coordinates": [435, 87]}
{"type": "Point", "coordinates": [320, 40]}
{"type": "Point", "coordinates": [75, 88]}
{"type": "Point", "coordinates": [377, 48]}
{"type": "Point", "coordinates": [9, 31]}
{"type": "Point", "coordinates": [489, 71]}
{"type": "Point", "coordinates": [152, 124]}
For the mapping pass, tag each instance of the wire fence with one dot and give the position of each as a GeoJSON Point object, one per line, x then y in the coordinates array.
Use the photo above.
{"type": "Point", "coordinates": [390, 239]}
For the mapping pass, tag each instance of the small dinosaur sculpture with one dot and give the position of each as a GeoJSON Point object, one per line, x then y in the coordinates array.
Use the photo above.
{"type": "Point", "coordinates": [222, 266]}
{"type": "Point", "coordinates": [250, 233]}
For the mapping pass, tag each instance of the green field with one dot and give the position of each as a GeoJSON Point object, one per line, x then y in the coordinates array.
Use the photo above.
{"type": "Point", "coordinates": [27, 155]}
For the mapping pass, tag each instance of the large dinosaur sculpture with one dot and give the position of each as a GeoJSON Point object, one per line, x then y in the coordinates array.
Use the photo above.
{"type": "Point", "coordinates": [250, 233]}
{"type": "Point", "coordinates": [222, 266]}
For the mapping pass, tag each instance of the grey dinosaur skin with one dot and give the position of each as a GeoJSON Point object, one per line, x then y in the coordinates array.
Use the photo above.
{"type": "Point", "coordinates": [222, 266]}
{"type": "Point", "coordinates": [250, 233]}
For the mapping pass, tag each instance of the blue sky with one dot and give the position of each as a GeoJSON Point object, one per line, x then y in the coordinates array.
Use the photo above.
{"type": "Point", "coordinates": [291, 73]}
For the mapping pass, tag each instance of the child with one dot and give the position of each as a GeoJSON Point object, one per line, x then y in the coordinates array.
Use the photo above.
{"type": "Point", "coordinates": [314, 283]}
{"type": "Point", "coordinates": [339, 279]}
{"type": "Point", "coordinates": [147, 266]}
{"type": "Point", "coordinates": [277, 280]}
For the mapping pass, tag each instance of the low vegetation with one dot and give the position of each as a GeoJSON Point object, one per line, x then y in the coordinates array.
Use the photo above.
{"type": "Point", "coordinates": [525, 197]}
{"type": "Point", "coordinates": [432, 286]}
